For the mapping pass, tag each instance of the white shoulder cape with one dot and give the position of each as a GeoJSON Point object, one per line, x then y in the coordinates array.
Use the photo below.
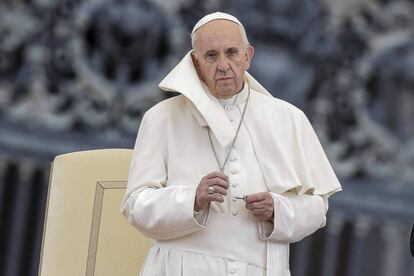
{"type": "Point", "coordinates": [288, 151]}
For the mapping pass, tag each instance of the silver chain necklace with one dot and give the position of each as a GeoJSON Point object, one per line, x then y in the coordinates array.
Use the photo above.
{"type": "Point", "coordinates": [234, 139]}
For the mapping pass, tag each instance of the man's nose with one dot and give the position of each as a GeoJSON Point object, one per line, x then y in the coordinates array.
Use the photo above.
{"type": "Point", "coordinates": [223, 64]}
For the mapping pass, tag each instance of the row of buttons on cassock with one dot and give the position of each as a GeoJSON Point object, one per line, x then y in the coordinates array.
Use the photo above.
{"type": "Point", "coordinates": [233, 171]}
{"type": "Point", "coordinates": [233, 158]}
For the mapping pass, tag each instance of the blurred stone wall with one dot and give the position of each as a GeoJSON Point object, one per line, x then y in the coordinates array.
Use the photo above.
{"type": "Point", "coordinates": [78, 75]}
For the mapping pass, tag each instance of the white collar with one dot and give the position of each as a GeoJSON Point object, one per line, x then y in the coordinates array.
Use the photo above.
{"type": "Point", "coordinates": [236, 99]}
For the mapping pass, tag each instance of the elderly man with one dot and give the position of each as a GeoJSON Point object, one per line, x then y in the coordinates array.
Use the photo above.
{"type": "Point", "coordinates": [224, 176]}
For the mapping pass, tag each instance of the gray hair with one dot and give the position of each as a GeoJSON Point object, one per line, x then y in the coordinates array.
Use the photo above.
{"type": "Point", "coordinates": [242, 33]}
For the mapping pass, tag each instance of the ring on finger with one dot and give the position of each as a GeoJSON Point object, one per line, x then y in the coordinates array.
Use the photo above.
{"type": "Point", "coordinates": [211, 190]}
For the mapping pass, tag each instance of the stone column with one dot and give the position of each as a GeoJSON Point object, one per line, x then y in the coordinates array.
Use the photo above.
{"type": "Point", "coordinates": [391, 251]}
{"type": "Point", "coordinates": [331, 246]}
{"type": "Point", "coordinates": [19, 221]}
{"type": "Point", "coordinates": [362, 226]}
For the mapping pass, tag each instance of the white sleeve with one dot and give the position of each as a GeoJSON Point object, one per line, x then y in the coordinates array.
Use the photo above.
{"type": "Point", "coordinates": [295, 217]}
{"type": "Point", "coordinates": [159, 211]}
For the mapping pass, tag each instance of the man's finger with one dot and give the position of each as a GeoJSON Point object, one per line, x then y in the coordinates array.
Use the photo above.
{"type": "Point", "coordinates": [253, 205]}
{"type": "Point", "coordinates": [216, 197]}
{"type": "Point", "coordinates": [258, 205]}
{"type": "Point", "coordinates": [217, 182]}
{"type": "Point", "coordinates": [217, 174]}
{"type": "Point", "coordinates": [258, 197]}
{"type": "Point", "coordinates": [262, 211]}
{"type": "Point", "coordinates": [219, 190]}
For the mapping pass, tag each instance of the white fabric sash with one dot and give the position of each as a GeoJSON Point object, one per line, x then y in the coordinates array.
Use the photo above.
{"type": "Point", "coordinates": [227, 236]}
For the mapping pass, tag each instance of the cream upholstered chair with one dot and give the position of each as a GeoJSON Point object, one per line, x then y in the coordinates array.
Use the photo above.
{"type": "Point", "coordinates": [84, 232]}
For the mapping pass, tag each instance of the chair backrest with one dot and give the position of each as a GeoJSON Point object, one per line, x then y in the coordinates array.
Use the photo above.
{"type": "Point", "coordinates": [84, 232]}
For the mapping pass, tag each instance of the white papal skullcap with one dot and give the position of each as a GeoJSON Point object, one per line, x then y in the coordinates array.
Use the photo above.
{"type": "Point", "coordinates": [215, 16]}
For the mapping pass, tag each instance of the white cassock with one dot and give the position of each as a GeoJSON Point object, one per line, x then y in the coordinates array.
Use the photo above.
{"type": "Point", "coordinates": [276, 151]}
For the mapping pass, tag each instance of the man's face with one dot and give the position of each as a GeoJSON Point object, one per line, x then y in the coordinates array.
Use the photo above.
{"type": "Point", "coordinates": [221, 57]}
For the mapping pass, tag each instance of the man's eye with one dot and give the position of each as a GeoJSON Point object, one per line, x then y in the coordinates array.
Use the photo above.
{"type": "Point", "coordinates": [231, 53]}
{"type": "Point", "coordinates": [211, 56]}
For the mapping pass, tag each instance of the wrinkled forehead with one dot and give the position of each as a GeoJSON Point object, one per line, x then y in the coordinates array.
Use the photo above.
{"type": "Point", "coordinates": [218, 34]}
{"type": "Point", "coordinates": [218, 26]}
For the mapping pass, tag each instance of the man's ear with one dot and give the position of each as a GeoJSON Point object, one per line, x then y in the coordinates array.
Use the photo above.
{"type": "Point", "coordinates": [249, 55]}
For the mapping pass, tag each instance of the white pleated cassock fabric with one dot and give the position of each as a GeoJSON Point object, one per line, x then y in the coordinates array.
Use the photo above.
{"type": "Point", "coordinates": [226, 220]}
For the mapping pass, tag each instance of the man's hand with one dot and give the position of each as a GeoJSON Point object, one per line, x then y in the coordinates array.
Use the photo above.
{"type": "Point", "coordinates": [219, 182]}
{"type": "Point", "coordinates": [261, 205]}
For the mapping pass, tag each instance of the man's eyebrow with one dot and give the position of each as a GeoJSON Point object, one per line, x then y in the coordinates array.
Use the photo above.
{"type": "Point", "coordinates": [232, 49]}
{"type": "Point", "coordinates": [210, 52]}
